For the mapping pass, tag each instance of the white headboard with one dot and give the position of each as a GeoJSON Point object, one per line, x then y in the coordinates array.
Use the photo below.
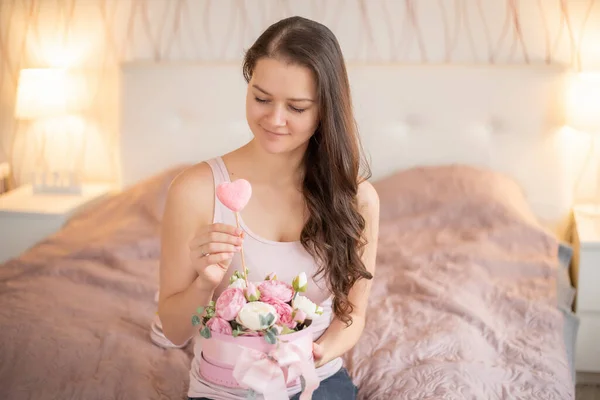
{"type": "Point", "coordinates": [500, 117]}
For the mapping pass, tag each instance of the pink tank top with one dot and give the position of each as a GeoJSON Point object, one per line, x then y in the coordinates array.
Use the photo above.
{"type": "Point", "coordinates": [286, 259]}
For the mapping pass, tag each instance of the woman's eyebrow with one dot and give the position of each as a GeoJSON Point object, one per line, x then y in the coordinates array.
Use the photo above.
{"type": "Point", "coordinates": [269, 94]}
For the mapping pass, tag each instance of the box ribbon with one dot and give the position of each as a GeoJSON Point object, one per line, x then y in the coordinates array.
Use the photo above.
{"type": "Point", "coordinates": [263, 372]}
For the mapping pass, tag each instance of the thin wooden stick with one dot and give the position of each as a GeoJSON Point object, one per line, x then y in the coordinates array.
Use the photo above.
{"type": "Point", "coordinates": [237, 220]}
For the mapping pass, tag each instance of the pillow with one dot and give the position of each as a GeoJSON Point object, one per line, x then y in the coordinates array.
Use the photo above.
{"type": "Point", "coordinates": [424, 188]}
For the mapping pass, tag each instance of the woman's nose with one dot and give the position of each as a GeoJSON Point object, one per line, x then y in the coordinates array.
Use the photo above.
{"type": "Point", "coordinates": [277, 116]}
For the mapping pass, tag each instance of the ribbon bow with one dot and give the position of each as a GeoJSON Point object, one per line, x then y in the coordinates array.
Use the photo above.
{"type": "Point", "coordinates": [263, 372]}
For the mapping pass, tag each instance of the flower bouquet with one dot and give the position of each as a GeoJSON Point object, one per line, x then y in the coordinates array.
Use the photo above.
{"type": "Point", "coordinates": [257, 335]}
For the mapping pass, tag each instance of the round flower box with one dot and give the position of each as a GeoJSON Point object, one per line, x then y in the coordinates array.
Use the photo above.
{"type": "Point", "coordinates": [254, 356]}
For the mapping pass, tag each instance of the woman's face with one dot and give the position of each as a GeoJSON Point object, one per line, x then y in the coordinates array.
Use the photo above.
{"type": "Point", "coordinates": [281, 105]}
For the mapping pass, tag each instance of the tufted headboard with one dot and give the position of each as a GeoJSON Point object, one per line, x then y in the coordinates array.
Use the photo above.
{"type": "Point", "coordinates": [502, 117]}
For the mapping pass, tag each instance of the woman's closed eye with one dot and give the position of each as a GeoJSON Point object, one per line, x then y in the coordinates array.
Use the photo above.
{"type": "Point", "coordinates": [298, 110]}
{"type": "Point", "coordinates": [295, 109]}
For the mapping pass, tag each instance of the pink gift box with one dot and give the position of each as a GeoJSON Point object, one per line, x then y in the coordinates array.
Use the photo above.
{"type": "Point", "coordinates": [221, 352]}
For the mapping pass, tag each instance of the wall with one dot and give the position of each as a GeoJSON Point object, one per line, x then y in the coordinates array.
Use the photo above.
{"type": "Point", "coordinates": [94, 36]}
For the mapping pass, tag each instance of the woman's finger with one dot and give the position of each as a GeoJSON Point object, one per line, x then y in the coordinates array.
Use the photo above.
{"type": "Point", "coordinates": [214, 248]}
{"type": "Point", "coordinates": [215, 237]}
{"type": "Point", "coordinates": [213, 259]}
{"type": "Point", "coordinates": [220, 227]}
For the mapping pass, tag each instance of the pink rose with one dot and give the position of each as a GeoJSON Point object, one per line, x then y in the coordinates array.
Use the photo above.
{"type": "Point", "coordinates": [251, 292]}
{"type": "Point", "coordinates": [229, 303]}
{"type": "Point", "coordinates": [284, 311]}
{"type": "Point", "coordinates": [219, 325]}
{"type": "Point", "coordinates": [276, 290]}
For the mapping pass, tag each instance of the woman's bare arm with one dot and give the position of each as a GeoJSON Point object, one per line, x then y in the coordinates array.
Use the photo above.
{"type": "Point", "coordinates": [338, 338]}
{"type": "Point", "coordinates": [187, 277]}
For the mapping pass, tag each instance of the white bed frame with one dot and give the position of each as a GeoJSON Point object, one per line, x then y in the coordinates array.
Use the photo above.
{"type": "Point", "coordinates": [505, 118]}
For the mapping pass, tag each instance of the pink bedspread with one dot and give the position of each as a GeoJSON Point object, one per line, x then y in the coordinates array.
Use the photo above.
{"type": "Point", "coordinates": [75, 311]}
{"type": "Point", "coordinates": [463, 305]}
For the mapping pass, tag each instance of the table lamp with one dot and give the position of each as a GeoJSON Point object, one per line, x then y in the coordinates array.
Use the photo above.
{"type": "Point", "coordinates": [583, 114]}
{"type": "Point", "coordinates": [42, 101]}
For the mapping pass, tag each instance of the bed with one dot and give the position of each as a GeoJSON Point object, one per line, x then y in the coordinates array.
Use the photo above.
{"type": "Point", "coordinates": [472, 297]}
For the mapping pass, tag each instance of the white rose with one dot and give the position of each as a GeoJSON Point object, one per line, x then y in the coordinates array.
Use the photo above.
{"type": "Point", "coordinates": [238, 283]}
{"type": "Point", "coordinates": [303, 303]}
{"type": "Point", "coordinates": [251, 313]}
{"type": "Point", "coordinates": [299, 283]}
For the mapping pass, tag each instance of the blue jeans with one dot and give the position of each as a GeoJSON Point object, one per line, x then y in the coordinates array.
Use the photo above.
{"type": "Point", "coordinates": [339, 386]}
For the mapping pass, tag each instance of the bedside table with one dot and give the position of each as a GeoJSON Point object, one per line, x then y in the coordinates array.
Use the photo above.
{"type": "Point", "coordinates": [27, 218]}
{"type": "Point", "coordinates": [586, 278]}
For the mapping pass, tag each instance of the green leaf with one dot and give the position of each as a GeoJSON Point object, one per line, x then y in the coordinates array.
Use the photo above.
{"type": "Point", "coordinates": [263, 320]}
{"type": "Point", "coordinates": [238, 275]}
{"type": "Point", "coordinates": [273, 330]}
{"type": "Point", "coordinates": [212, 303]}
{"type": "Point", "coordinates": [200, 310]}
{"type": "Point", "coordinates": [236, 332]}
{"type": "Point", "coordinates": [210, 312]}
{"type": "Point", "coordinates": [205, 332]}
{"type": "Point", "coordinates": [270, 319]}
{"type": "Point", "coordinates": [195, 320]}
{"type": "Point", "coordinates": [286, 330]}
{"type": "Point", "coordinates": [270, 338]}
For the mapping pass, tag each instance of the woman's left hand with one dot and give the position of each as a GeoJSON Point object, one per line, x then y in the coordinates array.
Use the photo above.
{"type": "Point", "coordinates": [317, 354]}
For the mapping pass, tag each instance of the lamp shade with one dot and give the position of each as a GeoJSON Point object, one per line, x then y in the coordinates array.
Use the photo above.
{"type": "Point", "coordinates": [583, 102]}
{"type": "Point", "coordinates": [41, 93]}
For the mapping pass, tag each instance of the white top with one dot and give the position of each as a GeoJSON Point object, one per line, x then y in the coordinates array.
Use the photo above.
{"type": "Point", "coordinates": [263, 256]}
{"type": "Point", "coordinates": [23, 201]}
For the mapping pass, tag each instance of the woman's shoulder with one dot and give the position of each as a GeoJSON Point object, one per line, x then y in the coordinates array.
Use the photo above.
{"type": "Point", "coordinates": [194, 177]}
{"type": "Point", "coordinates": [192, 187]}
{"type": "Point", "coordinates": [199, 179]}
{"type": "Point", "coordinates": [367, 194]}
{"type": "Point", "coordinates": [368, 200]}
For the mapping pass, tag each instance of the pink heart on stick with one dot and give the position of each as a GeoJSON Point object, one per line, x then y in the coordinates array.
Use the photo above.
{"type": "Point", "coordinates": [235, 195]}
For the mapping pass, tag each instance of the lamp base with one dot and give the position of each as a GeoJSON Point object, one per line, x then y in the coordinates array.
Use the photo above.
{"type": "Point", "coordinates": [57, 182]}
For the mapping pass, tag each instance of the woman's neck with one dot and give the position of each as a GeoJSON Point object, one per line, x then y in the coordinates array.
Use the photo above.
{"type": "Point", "coordinates": [279, 169]}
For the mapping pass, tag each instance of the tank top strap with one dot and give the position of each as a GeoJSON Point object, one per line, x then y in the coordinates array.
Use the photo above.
{"type": "Point", "coordinates": [220, 174]}
{"type": "Point", "coordinates": [221, 213]}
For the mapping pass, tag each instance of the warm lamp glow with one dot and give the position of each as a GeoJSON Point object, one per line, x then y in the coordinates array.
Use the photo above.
{"type": "Point", "coordinates": [41, 93]}
{"type": "Point", "coordinates": [583, 103]}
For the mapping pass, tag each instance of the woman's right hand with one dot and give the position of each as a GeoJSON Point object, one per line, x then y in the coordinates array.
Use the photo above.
{"type": "Point", "coordinates": [211, 252]}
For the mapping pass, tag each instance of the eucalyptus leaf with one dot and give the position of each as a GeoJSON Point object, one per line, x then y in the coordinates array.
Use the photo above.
{"type": "Point", "coordinates": [205, 332]}
{"type": "Point", "coordinates": [263, 320]}
{"type": "Point", "coordinates": [270, 319]}
{"type": "Point", "coordinates": [195, 320]}
{"type": "Point", "coordinates": [200, 310]}
{"type": "Point", "coordinates": [270, 338]}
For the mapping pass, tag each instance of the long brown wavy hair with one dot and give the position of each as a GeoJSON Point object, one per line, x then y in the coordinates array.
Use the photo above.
{"type": "Point", "coordinates": [334, 231]}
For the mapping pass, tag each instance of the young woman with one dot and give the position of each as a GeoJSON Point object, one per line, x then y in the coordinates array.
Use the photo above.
{"type": "Point", "coordinates": [311, 210]}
